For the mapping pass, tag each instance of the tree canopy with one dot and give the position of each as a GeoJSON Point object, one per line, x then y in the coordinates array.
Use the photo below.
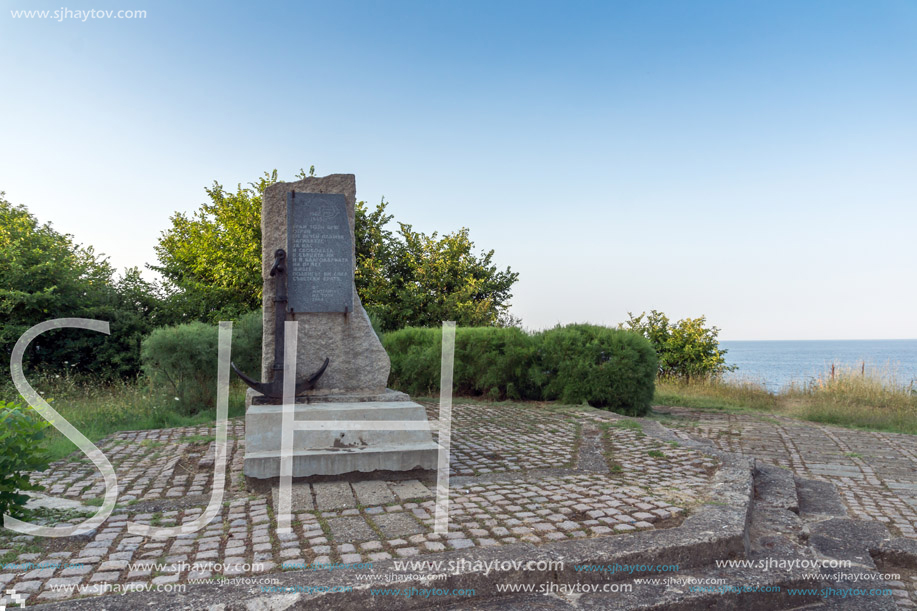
{"type": "Point", "coordinates": [686, 349]}
{"type": "Point", "coordinates": [212, 262]}
{"type": "Point", "coordinates": [45, 275]}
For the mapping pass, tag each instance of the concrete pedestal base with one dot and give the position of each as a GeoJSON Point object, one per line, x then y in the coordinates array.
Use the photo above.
{"type": "Point", "coordinates": [327, 450]}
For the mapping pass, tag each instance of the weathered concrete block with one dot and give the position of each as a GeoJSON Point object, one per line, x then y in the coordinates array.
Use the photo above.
{"type": "Point", "coordinates": [328, 450]}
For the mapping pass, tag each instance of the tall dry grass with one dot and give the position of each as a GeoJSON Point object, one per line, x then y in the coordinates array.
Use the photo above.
{"type": "Point", "coordinates": [866, 397]}
{"type": "Point", "coordinates": [715, 394]}
{"type": "Point", "coordinates": [859, 397]}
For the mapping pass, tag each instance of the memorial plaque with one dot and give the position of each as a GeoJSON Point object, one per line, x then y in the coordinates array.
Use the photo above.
{"type": "Point", "coordinates": [319, 253]}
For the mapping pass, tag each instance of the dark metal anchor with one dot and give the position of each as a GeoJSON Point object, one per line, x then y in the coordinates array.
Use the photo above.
{"type": "Point", "coordinates": [274, 388]}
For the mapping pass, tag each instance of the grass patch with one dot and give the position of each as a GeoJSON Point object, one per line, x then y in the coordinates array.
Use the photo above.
{"type": "Point", "coordinates": [16, 550]}
{"type": "Point", "coordinates": [99, 409]}
{"type": "Point", "coordinates": [656, 454]}
{"type": "Point", "coordinates": [634, 425]}
{"type": "Point", "coordinates": [715, 395]}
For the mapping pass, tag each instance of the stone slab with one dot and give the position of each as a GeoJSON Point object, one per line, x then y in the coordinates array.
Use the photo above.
{"type": "Point", "coordinates": [306, 463]}
{"type": "Point", "coordinates": [373, 492]}
{"type": "Point", "coordinates": [333, 495]}
{"type": "Point", "coordinates": [351, 529]}
{"type": "Point", "coordinates": [264, 426]}
{"type": "Point", "coordinates": [300, 499]}
{"type": "Point", "coordinates": [255, 398]}
{"type": "Point", "coordinates": [411, 489]}
{"type": "Point", "coordinates": [397, 525]}
{"type": "Point", "coordinates": [816, 497]}
{"type": "Point", "coordinates": [776, 487]}
{"type": "Point", "coordinates": [328, 449]}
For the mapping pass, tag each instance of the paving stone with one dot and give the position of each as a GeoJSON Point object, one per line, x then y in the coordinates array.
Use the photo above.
{"type": "Point", "coordinates": [113, 565]}
{"type": "Point", "coordinates": [111, 576]}
{"type": "Point", "coordinates": [374, 492]}
{"type": "Point", "coordinates": [40, 574]}
{"type": "Point", "coordinates": [333, 495]}
{"type": "Point", "coordinates": [28, 586]}
{"type": "Point", "coordinates": [394, 525]}
{"type": "Point", "coordinates": [54, 595]}
{"type": "Point", "coordinates": [300, 497]}
{"type": "Point", "coordinates": [63, 581]}
{"type": "Point", "coordinates": [350, 530]}
{"type": "Point", "coordinates": [411, 489]}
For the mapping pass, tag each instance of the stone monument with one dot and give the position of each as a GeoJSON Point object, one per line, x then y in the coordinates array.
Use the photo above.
{"type": "Point", "coordinates": [308, 260]}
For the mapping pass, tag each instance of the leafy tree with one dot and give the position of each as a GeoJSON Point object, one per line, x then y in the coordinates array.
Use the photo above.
{"type": "Point", "coordinates": [212, 262]}
{"type": "Point", "coordinates": [686, 349]}
{"type": "Point", "coordinates": [45, 275]}
{"type": "Point", "coordinates": [212, 258]}
{"type": "Point", "coordinates": [414, 279]}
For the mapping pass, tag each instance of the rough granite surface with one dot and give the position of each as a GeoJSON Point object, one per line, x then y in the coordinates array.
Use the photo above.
{"type": "Point", "coordinates": [359, 363]}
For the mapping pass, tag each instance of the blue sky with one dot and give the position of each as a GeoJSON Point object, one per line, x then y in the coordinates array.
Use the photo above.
{"type": "Point", "coordinates": [753, 162]}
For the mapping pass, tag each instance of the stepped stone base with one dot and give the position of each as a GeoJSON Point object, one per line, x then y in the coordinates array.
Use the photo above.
{"type": "Point", "coordinates": [255, 398]}
{"type": "Point", "coordinates": [331, 450]}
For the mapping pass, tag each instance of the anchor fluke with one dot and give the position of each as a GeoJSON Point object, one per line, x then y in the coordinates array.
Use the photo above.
{"type": "Point", "coordinates": [274, 389]}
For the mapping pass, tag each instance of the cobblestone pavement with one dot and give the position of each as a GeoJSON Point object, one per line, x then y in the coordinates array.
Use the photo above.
{"type": "Point", "coordinates": [521, 473]}
{"type": "Point", "coordinates": [875, 473]}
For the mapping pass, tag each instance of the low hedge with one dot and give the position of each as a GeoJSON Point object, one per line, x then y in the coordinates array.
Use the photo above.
{"type": "Point", "coordinates": [489, 361]}
{"type": "Point", "coordinates": [181, 361]}
{"type": "Point", "coordinates": [606, 368]}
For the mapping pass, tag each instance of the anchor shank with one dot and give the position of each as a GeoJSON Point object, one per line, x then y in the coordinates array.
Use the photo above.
{"type": "Point", "coordinates": [280, 313]}
{"type": "Point", "coordinates": [274, 388]}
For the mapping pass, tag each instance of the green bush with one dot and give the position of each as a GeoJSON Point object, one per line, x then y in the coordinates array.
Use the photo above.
{"type": "Point", "coordinates": [21, 429]}
{"type": "Point", "coordinates": [181, 361]}
{"type": "Point", "coordinates": [494, 362]}
{"type": "Point", "coordinates": [415, 357]}
{"type": "Point", "coordinates": [606, 368]}
{"type": "Point", "coordinates": [603, 367]}
{"type": "Point", "coordinates": [246, 343]}
{"type": "Point", "coordinates": [46, 275]}
{"type": "Point", "coordinates": [489, 361]}
{"type": "Point", "coordinates": [687, 349]}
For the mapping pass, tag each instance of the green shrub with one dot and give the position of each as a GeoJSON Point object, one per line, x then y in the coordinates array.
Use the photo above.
{"type": "Point", "coordinates": [687, 349]}
{"type": "Point", "coordinates": [21, 430]}
{"type": "Point", "coordinates": [493, 362]}
{"type": "Point", "coordinates": [246, 343]}
{"type": "Point", "coordinates": [415, 357]}
{"type": "Point", "coordinates": [577, 364]}
{"type": "Point", "coordinates": [181, 361]}
{"type": "Point", "coordinates": [606, 368]}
